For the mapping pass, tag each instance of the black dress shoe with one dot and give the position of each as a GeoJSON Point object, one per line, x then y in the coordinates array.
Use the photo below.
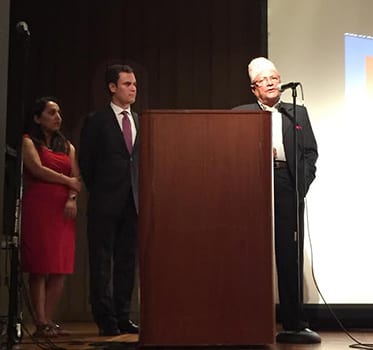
{"type": "Point", "coordinates": [128, 327]}
{"type": "Point", "coordinates": [304, 336]}
{"type": "Point", "coordinates": [108, 331]}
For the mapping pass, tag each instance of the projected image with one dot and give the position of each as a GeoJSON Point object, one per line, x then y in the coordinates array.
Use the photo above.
{"type": "Point", "coordinates": [358, 67]}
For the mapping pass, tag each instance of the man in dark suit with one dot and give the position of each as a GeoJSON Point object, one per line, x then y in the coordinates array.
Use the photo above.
{"type": "Point", "coordinates": [108, 159]}
{"type": "Point", "coordinates": [265, 79]}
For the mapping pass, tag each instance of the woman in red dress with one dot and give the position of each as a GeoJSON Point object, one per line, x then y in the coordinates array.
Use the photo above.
{"type": "Point", "coordinates": [51, 184]}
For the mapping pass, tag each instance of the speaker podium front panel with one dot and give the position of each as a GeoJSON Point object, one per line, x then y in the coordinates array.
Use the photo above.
{"type": "Point", "coordinates": [206, 232]}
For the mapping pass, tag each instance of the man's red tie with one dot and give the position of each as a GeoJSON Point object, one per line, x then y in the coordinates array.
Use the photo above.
{"type": "Point", "coordinates": [127, 132]}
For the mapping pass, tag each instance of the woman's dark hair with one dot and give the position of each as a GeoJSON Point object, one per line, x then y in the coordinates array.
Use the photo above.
{"type": "Point", "coordinates": [59, 143]}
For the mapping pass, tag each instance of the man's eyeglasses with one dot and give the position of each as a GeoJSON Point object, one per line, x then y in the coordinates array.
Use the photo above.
{"type": "Point", "coordinates": [274, 79]}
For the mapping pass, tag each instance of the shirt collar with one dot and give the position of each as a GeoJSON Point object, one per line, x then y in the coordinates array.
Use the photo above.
{"type": "Point", "coordinates": [118, 110]}
{"type": "Point", "coordinates": [268, 108]}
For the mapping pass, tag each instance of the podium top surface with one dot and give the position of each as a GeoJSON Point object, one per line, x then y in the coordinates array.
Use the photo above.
{"type": "Point", "coordinates": [203, 111]}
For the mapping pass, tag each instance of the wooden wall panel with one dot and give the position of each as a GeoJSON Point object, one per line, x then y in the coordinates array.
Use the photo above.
{"type": "Point", "coordinates": [187, 54]}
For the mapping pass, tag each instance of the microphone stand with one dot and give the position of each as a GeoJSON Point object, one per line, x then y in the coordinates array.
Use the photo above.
{"type": "Point", "coordinates": [297, 210]}
{"type": "Point", "coordinates": [14, 328]}
{"type": "Point", "coordinates": [297, 235]}
{"type": "Point", "coordinates": [303, 336]}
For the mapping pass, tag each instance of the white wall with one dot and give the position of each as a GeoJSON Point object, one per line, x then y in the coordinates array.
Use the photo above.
{"type": "Point", "coordinates": [306, 41]}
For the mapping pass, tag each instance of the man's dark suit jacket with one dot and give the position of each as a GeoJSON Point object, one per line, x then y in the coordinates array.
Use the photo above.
{"type": "Point", "coordinates": [307, 146]}
{"type": "Point", "coordinates": [108, 170]}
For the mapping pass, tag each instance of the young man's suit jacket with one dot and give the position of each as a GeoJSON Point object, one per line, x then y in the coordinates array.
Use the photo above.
{"type": "Point", "coordinates": [108, 170]}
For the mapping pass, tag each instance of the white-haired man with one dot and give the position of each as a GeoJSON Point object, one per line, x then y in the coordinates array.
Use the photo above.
{"type": "Point", "coordinates": [265, 79]}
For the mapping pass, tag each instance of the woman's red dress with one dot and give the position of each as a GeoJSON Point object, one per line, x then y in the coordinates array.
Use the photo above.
{"type": "Point", "coordinates": [47, 236]}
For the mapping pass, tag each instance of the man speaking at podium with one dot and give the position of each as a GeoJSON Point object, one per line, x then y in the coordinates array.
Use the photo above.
{"type": "Point", "coordinates": [265, 85]}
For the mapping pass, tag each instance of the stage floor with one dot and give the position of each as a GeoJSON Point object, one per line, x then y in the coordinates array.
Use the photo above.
{"type": "Point", "coordinates": [84, 336]}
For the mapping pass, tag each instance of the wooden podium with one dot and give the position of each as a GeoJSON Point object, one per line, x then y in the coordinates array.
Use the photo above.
{"type": "Point", "coordinates": [206, 230]}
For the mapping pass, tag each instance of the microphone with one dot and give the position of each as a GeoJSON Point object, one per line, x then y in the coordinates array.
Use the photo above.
{"type": "Point", "coordinates": [285, 86]}
{"type": "Point", "coordinates": [22, 28]}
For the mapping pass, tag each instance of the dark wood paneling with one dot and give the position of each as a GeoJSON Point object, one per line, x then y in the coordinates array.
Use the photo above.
{"type": "Point", "coordinates": [187, 54]}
